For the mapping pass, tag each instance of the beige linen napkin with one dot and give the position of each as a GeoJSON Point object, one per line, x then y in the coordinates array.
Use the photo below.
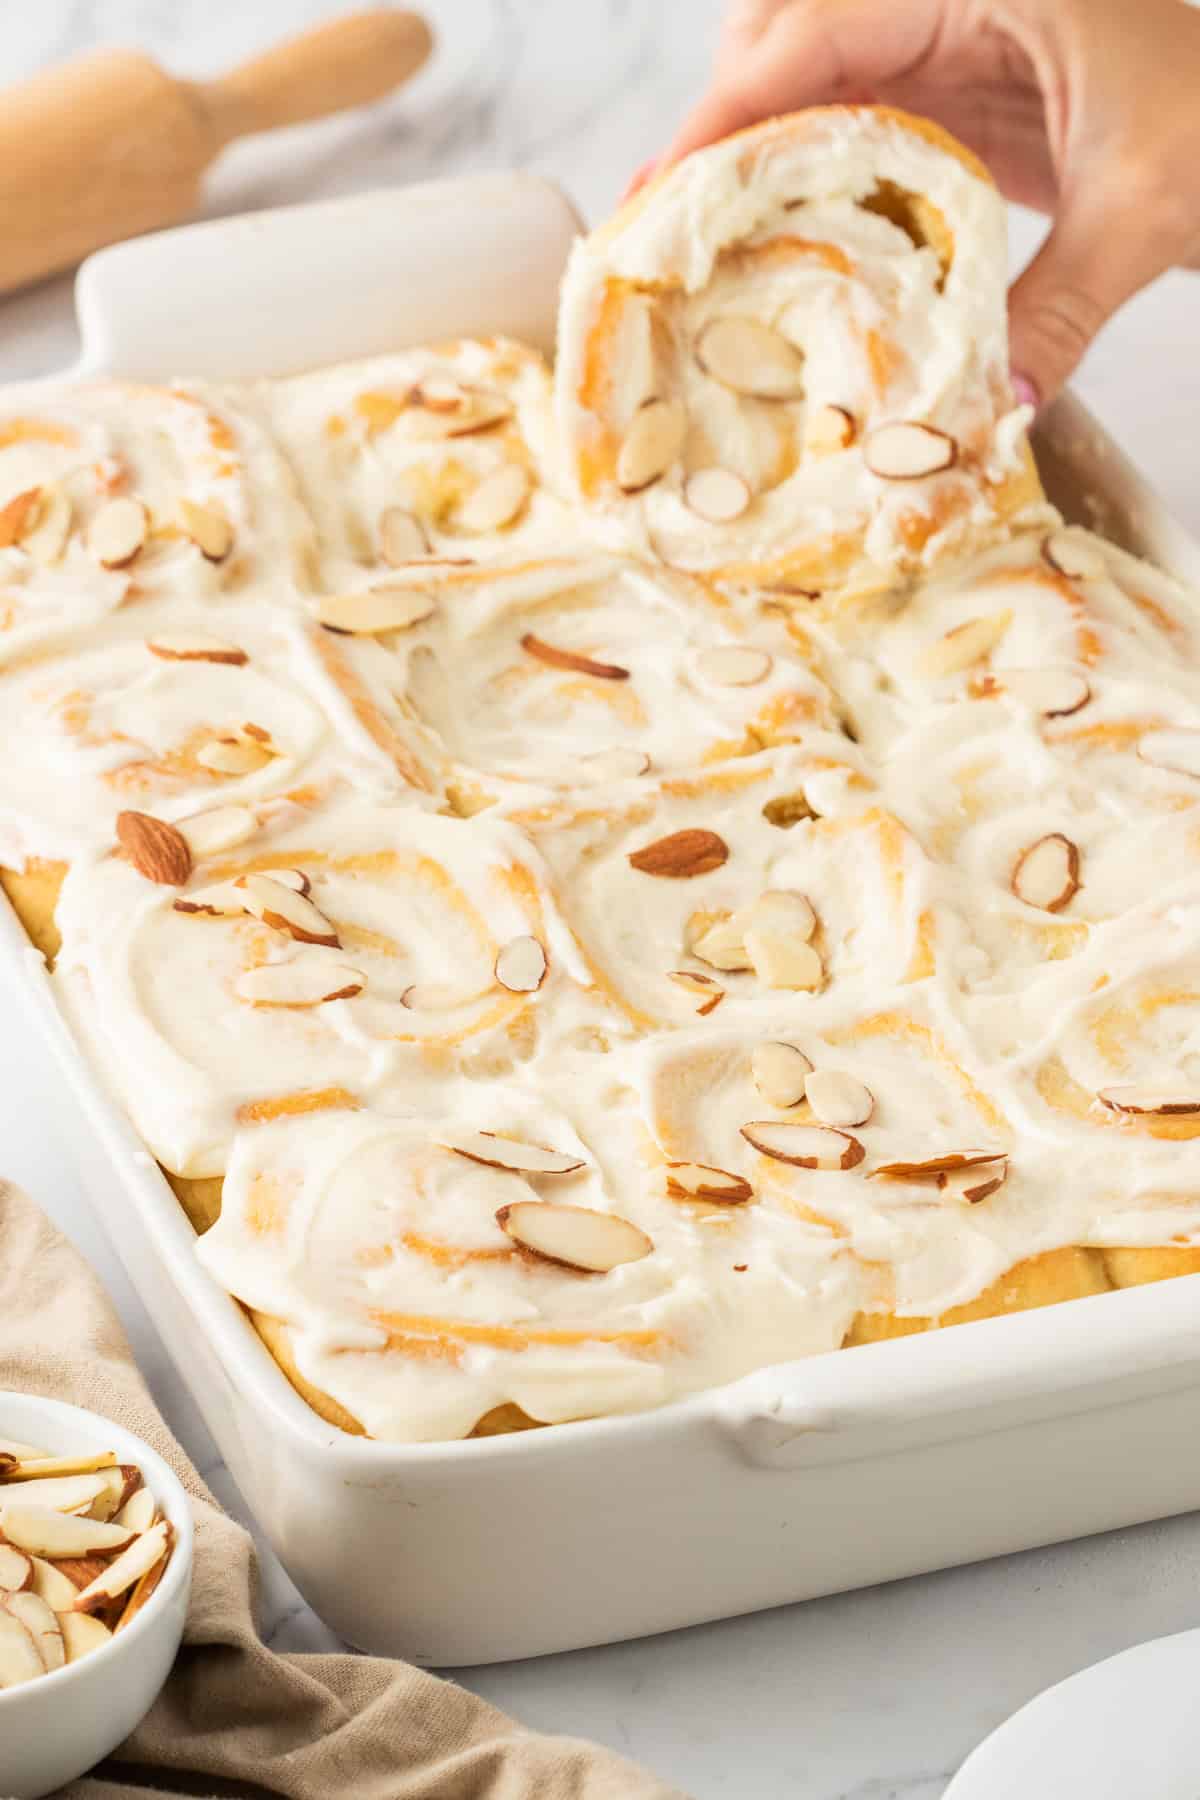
{"type": "Point", "coordinates": [234, 1718]}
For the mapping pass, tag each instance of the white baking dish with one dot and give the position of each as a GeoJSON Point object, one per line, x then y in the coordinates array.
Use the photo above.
{"type": "Point", "coordinates": [799, 1480]}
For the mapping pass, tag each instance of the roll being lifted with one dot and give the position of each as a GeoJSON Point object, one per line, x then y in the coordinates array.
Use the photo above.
{"type": "Point", "coordinates": [785, 361]}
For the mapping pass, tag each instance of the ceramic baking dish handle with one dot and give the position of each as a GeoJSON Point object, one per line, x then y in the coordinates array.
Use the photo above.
{"type": "Point", "coordinates": [908, 1391]}
{"type": "Point", "coordinates": [272, 293]}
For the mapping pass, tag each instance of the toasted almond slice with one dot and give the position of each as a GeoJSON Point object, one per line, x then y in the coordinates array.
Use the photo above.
{"type": "Point", "coordinates": [1163, 1100]}
{"type": "Point", "coordinates": [1177, 750]}
{"type": "Point", "coordinates": [45, 537]}
{"type": "Point", "coordinates": [43, 1532]}
{"type": "Point", "coordinates": [194, 646]}
{"type": "Point", "coordinates": [134, 1561]}
{"type": "Point", "coordinates": [908, 451]}
{"type": "Point", "coordinates": [283, 909]}
{"type": "Point", "coordinates": [783, 962]}
{"type": "Point", "coordinates": [700, 1181]}
{"type": "Point", "coordinates": [42, 1626]}
{"type": "Point", "coordinates": [232, 756]}
{"type": "Point", "coordinates": [1055, 693]}
{"type": "Point", "coordinates": [158, 851]}
{"type": "Point", "coordinates": [575, 1237]}
{"type": "Point", "coordinates": [963, 645]}
{"type": "Point", "coordinates": [507, 1153]}
{"type": "Point", "coordinates": [496, 501]}
{"type": "Point", "coordinates": [706, 991]}
{"type": "Point", "coordinates": [827, 430]}
{"type": "Point", "coordinates": [781, 911]}
{"type": "Point", "coordinates": [55, 1588]}
{"type": "Point", "coordinates": [220, 828]}
{"type": "Point", "coordinates": [19, 1657]}
{"type": "Point", "coordinates": [208, 529]}
{"type": "Point", "coordinates": [65, 1493]}
{"type": "Point", "coordinates": [374, 610]}
{"type": "Point", "coordinates": [37, 1468]}
{"type": "Point", "coordinates": [521, 965]}
{"type": "Point", "coordinates": [733, 665]}
{"type": "Point", "coordinates": [221, 900]}
{"type": "Point", "coordinates": [401, 536]}
{"type": "Point", "coordinates": [716, 495]}
{"type": "Point", "coordinates": [302, 982]}
{"type": "Point", "coordinates": [780, 1073]}
{"type": "Point", "coordinates": [975, 1184]}
{"type": "Point", "coordinates": [117, 532]}
{"type": "Point", "coordinates": [482, 410]}
{"type": "Point", "coordinates": [16, 1570]}
{"type": "Point", "coordinates": [651, 444]}
{"type": "Point", "coordinates": [137, 1514]}
{"type": "Point", "coordinates": [82, 1633]}
{"type": "Point", "coordinates": [571, 659]}
{"type": "Point", "coordinates": [837, 1098]}
{"type": "Point", "coordinates": [617, 764]}
{"type": "Point", "coordinates": [751, 358]}
{"type": "Point", "coordinates": [18, 515]}
{"type": "Point", "coordinates": [923, 1168]}
{"type": "Point", "coordinates": [1046, 875]}
{"type": "Point", "coordinates": [723, 947]}
{"type": "Point", "coordinates": [681, 854]}
{"type": "Point", "coordinates": [805, 1146]}
{"type": "Point", "coordinates": [1073, 555]}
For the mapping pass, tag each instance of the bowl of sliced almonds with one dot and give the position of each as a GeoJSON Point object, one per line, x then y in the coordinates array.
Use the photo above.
{"type": "Point", "coordinates": [95, 1570]}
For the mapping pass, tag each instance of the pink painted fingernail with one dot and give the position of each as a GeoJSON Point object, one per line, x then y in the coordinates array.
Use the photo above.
{"type": "Point", "coordinates": [1026, 391]}
{"type": "Point", "coordinates": [641, 177]}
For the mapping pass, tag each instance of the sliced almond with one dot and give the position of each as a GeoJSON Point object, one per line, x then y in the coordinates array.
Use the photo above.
{"type": "Point", "coordinates": [481, 409]}
{"type": "Point", "coordinates": [41, 1625]}
{"type": "Point", "coordinates": [38, 1468]}
{"type": "Point", "coordinates": [1072, 555]}
{"type": "Point", "coordinates": [496, 501]}
{"type": "Point", "coordinates": [681, 855]}
{"type": "Point", "coordinates": [374, 610]}
{"type": "Point", "coordinates": [575, 1237]}
{"type": "Point", "coordinates": [783, 962]}
{"type": "Point", "coordinates": [651, 444]}
{"type": "Point", "coordinates": [121, 1573]}
{"type": "Point", "coordinates": [279, 906]}
{"type": "Point", "coordinates": [232, 756]}
{"type": "Point", "coordinates": [18, 515]}
{"type": "Point", "coordinates": [439, 996]}
{"type": "Point", "coordinates": [521, 965]}
{"type": "Point", "coordinates": [837, 1098]}
{"type": "Point", "coordinates": [700, 1181]}
{"type": "Point", "coordinates": [927, 1167]}
{"type": "Point", "coordinates": [965, 644]}
{"type": "Point", "coordinates": [401, 536]}
{"type": "Point", "coordinates": [716, 495]}
{"type": "Point", "coordinates": [733, 665]}
{"type": "Point", "coordinates": [219, 829]}
{"type": "Point", "coordinates": [19, 1657]}
{"type": "Point", "coordinates": [1164, 1100]}
{"type": "Point", "coordinates": [1177, 750]}
{"type": "Point", "coordinates": [117, 532]}
{"type": "Point", "coordinates": [137, 1514]}
{"type": "Point", "coordinates": [55, 1588]}
{"type": "Point", "coordinates": [975, 1184]}
{"type": "Point", "coordinates": [194, 646]}
{"type": "Point", "coordinates": [295, 879]}
{"type": "Point", "coordinates": [507, 1153]}
{"type": "Point", "coordinates": [43, 1532]}
{"type": "Point", "coordinates": [780, 1073]}
{"type": "Point", "coordinates": [221, 900]}
{"type": "Point", "coordinates": [208, 529]}
{"type": "Point", "coordinates": [617, 764]}
{"type": "Point", "coordinates": [908, 451]}
{"type": "Point", "coordinates": [571, 659]}
{"type": "Point", "coordinates": [1046, 875]}
{"type": "Point", "coordinates": [707, 992]}
{"type": "Point", "coordinates": [79, 1570]}
{"type": "Point", "coordinates": [781, 911]}
{"type": "Point", "coordinates": [723, 946]}
{"type": "Point", "coordinates": [16, 1570]}
{"type": "Point", "coordinates": [805, 1146]}
{"type": "Point", "coordinates": [1054, 693]}
{"type": "Point", "coordinates": [83, 1633]}
{"type": "Point", "coordinates": [827, 430]}
{"type": "Point", "coordinates": [142, 1588]}
{"type": "Point", "coordinates": [45, 538]}
{"type": "Point", "coordinates": [301, 982]}
{"type": "Point", "coordinates": [158, 851]}
{"type": "Point", "coordinates": [751, 358]}
{"type": "Point", "coordinates": [65, 1493]}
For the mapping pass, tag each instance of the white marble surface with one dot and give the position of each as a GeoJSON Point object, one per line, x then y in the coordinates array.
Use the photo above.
{"type": "Point", "coordinates": [870, 1696]}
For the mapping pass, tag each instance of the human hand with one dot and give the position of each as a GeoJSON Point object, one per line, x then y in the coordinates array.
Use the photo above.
{"type": "Point", "coordinates": [1084, 109]}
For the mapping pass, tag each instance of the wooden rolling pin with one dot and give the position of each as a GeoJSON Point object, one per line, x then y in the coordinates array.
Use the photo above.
{"type": "Point", "coordinates": [110, 145]}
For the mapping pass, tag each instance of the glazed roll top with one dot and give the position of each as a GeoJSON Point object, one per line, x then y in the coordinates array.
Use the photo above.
{"type": "Point", "coordinates": [786, 359]}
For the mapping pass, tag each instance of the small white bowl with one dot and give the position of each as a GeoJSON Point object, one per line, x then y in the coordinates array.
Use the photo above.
{"type": "Point", "coordinates": [59, 1725]}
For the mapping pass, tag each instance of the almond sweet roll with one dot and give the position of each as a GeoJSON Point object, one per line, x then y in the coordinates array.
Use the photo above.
{"type": "Point", "coordinates": [785, 360]}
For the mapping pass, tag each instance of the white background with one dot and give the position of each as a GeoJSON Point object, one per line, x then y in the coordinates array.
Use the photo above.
{"type": "Point", "coordinates": [870, 1696]}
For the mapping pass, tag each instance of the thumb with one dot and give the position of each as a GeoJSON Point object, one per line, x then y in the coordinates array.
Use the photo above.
{"type": "Point", "coordinates": [1070, 289]}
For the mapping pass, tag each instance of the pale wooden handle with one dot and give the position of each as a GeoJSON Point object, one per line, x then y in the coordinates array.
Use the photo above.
{"type": "Point", "coordinates": [346, 62]}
